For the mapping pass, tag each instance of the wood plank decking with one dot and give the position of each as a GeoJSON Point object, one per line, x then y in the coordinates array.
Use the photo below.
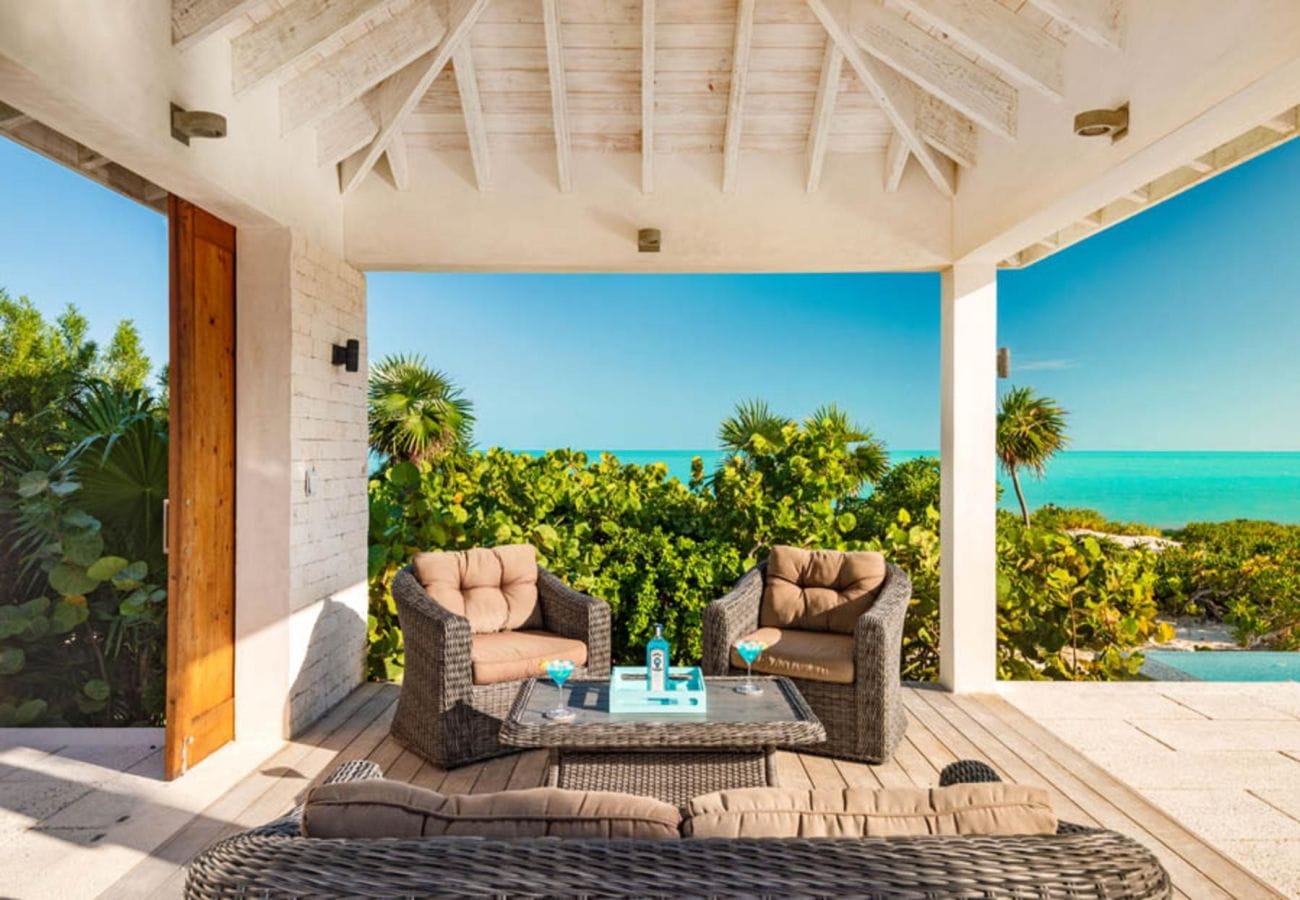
{"type": "Point", "coordinates": [941, 728]}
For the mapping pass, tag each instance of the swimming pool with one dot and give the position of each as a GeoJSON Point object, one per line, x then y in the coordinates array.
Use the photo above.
{"type": "Point", "coordinates": [1222, 665]}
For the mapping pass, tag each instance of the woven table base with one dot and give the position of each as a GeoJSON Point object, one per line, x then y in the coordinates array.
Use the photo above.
{"type": "Point", "coordinates": [672, 776]}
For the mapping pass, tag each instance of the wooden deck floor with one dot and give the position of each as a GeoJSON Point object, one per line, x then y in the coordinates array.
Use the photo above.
{"type": "Point", "coordinates": [941, 729]}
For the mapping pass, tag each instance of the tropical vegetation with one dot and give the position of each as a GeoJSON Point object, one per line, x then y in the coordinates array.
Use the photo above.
{"type": "Point", "coordinates": [1030, 431]}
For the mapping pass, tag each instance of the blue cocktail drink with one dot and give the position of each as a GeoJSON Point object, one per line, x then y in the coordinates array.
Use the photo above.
{"type": "Point", "coordinates": [559, 671]}
{"type": "Point", "coordinates": [749, 651]}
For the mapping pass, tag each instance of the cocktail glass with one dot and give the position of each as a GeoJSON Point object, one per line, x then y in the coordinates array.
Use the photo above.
{"type": "Point", "coordinates": [749, 651]}
{"type": "Point", "coordinates": [559, 671]}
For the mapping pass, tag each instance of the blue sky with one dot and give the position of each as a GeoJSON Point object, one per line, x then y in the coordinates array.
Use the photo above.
{"type": "Point", "coordinates": [1176, 330]}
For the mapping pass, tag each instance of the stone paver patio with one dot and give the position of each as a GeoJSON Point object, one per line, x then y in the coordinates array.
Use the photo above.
{"type": "Point", "coordinates": [1222, 759]}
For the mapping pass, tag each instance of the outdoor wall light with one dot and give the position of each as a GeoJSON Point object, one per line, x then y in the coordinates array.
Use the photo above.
{"type": "Point", "coordinates": [196, 123]}
{"type": "Point", "coordinates": [1100, 122]}
{"type": "Point", "coordinates": [647, 240]}
{"type": "Point", "coordinates": [1004, 362]}
{"type": "Point", "coordinates": [347, 355]}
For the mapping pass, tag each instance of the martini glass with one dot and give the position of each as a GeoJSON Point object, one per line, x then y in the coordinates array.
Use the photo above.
{"type": "Point", "coordinates": [559, 671]}
{"type": "Point", "coordinates": [749, 651]}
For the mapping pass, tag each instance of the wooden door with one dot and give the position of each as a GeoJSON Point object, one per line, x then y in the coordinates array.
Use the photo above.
{"type": "Point", "coordinates": [201, 503]}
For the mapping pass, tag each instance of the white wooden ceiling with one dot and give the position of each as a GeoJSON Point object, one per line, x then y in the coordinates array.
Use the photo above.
{"type": "Point", "coordinates": [927, 82]}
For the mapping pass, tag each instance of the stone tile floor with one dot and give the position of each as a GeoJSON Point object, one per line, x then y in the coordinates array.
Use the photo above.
{"type": "Point", "coordinates": [1223, 759]}
{"type": "Point", "coordinates": [78, 807]}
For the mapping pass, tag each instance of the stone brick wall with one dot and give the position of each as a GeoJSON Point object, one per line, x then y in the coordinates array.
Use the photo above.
{"type": "Point", "coordinates": [328, 448]}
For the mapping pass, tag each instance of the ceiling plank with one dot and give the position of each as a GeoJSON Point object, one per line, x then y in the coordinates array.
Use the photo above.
{"type": "Point", "coordinates": [345, 132]}
{"type": "Point", "coordinates": [937, 68]}
{"type": "Point", "coordinates": [819, 134]}
{"type": "Point", "coordinates": [284, 38]}
{"type": "Point", "coordinates": [899, 99]}
{"type": "Point", "coordinates": [947, 130]}
{"type": "Point", "coordinates": [1001, 38]}
{"type": "Point", "coordinates": [896, 156]}
{"type": "Point", "coordinates": [744, 41]}
{"type": "Point", "coordinates": [559, 91]}
{"type": "Point", "coordinates": [397, 97]}
{"type": "Point", "coordinates": [1099, 21]}
{"type": "Point", "coordinates": [647, 96]}
{"type": "Point", "coordinates": [471, 108]}
{"type": "Point", "coordinates": [398, 165]}
{"type": "Point", "coordinates": [194, 20]}
{"type": "Point", "coordinates": [344, 76]}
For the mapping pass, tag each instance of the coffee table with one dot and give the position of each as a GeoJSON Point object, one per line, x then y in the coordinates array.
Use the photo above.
{"type": "Point", "coordinates": [671, 756]}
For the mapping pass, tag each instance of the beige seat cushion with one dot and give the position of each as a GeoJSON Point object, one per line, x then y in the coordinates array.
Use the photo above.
{"type": "Point", "coordinates": [516, 655]}
{"type": "Point", "coordinates": [814, 655]}
{"type": "Point", "coordinates": [969, 809]}
{"type": "Point", "coordinates": [819, 590]}
{"type": "Point", "coordinates": [494, 587]}
{"type": "Point", "coordinates": [392, 809]}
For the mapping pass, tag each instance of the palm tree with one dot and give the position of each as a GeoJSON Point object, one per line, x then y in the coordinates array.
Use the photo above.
{"type": "Point", "coordinates": [1031, 429]}
{"type": "Point", "coordinates": [752, 418]}
{"type": "Point", "coordinates": [416, 412]}
{"type": "Point", "coordinates": [870, 458]}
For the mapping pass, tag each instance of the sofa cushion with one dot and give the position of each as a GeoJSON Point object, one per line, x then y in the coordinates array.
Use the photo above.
{"type": "Point", "coordinates": [494, 587]}
{"type": "Point", "coordinates": [380, 808]}
{"type": "Point", "coordinates": [966, 809]}
{"type": "Point", "coordinates": [812, 655]}
{"type": "Point", "coordinates": [819, 590]}
{"type": "Point", "coordinates": [516, 655]}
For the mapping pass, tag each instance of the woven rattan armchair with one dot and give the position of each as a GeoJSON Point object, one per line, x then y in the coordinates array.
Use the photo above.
{"type": "Point", "coordinates": [864, 720]}
{"type": "Point", "coordinates": [276, 861]}
{"type": "Point", "coordinates": [441, 713]}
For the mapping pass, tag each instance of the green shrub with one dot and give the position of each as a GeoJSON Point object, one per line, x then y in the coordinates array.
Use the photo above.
{"type": "Point", "coordinates": [1243, 572]}
{"type": "Point", "coordinates": [912, 486]}
{"type": "Point", "coordinates": [1064, 518]}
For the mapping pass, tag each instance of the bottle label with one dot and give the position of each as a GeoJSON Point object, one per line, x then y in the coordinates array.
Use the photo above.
{"type": "Point", "coordinates": [658, 663]}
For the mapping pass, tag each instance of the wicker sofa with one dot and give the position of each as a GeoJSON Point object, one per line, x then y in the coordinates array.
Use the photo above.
{"type": "Point", "coordinates": [1077, 862]}
{"type": "Point", "coordinates": [864, 718]}
{"type": "Point", "coordinates": [444, 712]}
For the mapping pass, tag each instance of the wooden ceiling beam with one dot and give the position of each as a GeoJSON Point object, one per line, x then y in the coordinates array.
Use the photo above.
{"type": "Point", "coordinates": [1001, 38]}
{"type": "Point", "coordinates": [346, 131]}
{"type": "Point", "coordinates": [819, 134]}
{"type": "Point", "coordinates": [647, 96]}
{"type": "Point", "coordinates": [398, 165]}
{"type": "Point", "coordinates": [896, 157]}
{"type": "Point", "coordinates": [1098, 21]}
{"type": "Point", "coordinates": [194, 20]}
{"type": "Point", "coordinates": [471, 108]}
{"type": "Point", "coordinates": [947, 130]}
{"type": "Point", "coordinates": [559, 92]}
{"type": "Point", "coordinates": [936, 67]}
{"type": "Point", "coordinates": [342, 77]}
{"type": "Point", "coordinates": [288, 35]}
{"type": "Point", "coordinates": [744, 40]}
{"type": "Point", "coordinates": [396, 98]}
{"type": "Point", "coordinates": [896, 96]}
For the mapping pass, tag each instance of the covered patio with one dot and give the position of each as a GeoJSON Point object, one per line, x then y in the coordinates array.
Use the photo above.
{"type": "Point", "coordinates": [544, 135]}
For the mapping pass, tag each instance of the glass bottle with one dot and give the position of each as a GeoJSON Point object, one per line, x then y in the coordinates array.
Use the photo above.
{"type": "Point", "coordinates": [656, 661]}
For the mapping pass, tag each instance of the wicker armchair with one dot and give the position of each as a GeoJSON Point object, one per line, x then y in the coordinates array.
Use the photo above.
{"type": "Point", "coordinates": [441, 713]}
{"type": "Point", "coordinates": [864, 720]}
{"type": "Point", "coordinates": [276, 861]}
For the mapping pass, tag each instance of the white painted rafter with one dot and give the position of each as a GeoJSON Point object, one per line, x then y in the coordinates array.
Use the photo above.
{"type": "Point", "coordinates": [936, 67]}
{"type": "Point", "coordinates": [744, 40]}
{"type": "Point", "coordinates": [194, 20]}
{"type": "Point", "coordinates": [819, 134]}
{"type": "Point", "coordinates": [896, 157]}
{"type": "Point", "coordinates": [559, 92]}
{"type": "Point", "coordinates": [397, 97]}
{"type": "Point", "coordinates": [471, 108]}
{"type": "Point", "coordinates": [897, 97]}
{"type": "Point", "coordinates": [288, 35]}
{"type": "Point", "coordinates": [1099, 21]}
{"type": "Point", "coordinates": [398, 165]}
{"type": "Point", "coordinates": [1000, 37]}
{"type": "Point", "coordinates": [343, 77]}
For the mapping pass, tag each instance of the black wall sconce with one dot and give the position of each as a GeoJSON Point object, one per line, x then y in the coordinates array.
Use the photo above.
{"type": "Point", "coordinates": [348, 355]}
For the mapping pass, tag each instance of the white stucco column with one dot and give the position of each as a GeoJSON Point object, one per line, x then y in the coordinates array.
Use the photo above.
{"type": "Point", "coordinates": [968, 409]}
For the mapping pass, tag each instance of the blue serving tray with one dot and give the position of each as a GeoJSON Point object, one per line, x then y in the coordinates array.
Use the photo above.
{"type": "Point", "coordinates": [686, 693]}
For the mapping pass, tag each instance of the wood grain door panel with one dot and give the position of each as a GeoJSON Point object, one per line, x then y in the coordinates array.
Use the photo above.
{"type": "Point", "coordinates": [201, 526]}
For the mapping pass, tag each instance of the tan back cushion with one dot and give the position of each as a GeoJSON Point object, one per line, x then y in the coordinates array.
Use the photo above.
{"type": "Point", "coordinates": [392, 809]}
{"type": "Point", "coordinates": [987, 809]}
{"type": "Point", "coordinates": [494, 587]}
{"type": "Point", "coordinates": [819, 590]}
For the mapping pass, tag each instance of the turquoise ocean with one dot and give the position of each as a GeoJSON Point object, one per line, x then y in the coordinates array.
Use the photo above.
{"type": "Point", "coordinates": [1163, 488]}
